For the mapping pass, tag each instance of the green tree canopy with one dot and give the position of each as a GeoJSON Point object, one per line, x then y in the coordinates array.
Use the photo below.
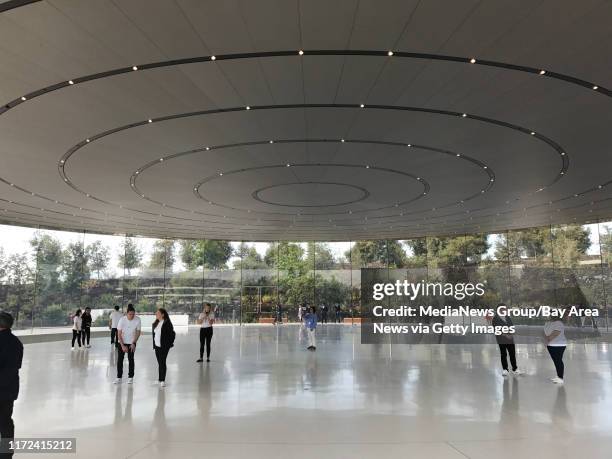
{"type": "Point", "coordinates": [98, 256]}
{"type": "Point", "coordinates": [208, 253]}
{"type": "Point", "coordinates": [163, 257]}
{"type": "Point", "coordinates": [130, 254]}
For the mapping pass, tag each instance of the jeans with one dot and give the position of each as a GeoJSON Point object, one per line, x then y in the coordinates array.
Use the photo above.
{"type": "Point", "coordinates": [206, 335]}
{"type": "Point", "coordinates": [556, 353]}
{"type": "Point", "coordinates": [7, 427]}
{"type": "Point", "coordinates": [76, 335]}
{"type": "Point", "coordinates": [130, 355]}
{"type": "Point", "coordinates": [161, 354]}
{"type": "Point", "coordinates": [508, 349]}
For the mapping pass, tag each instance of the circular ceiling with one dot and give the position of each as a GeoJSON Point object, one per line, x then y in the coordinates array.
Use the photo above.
{"type": "Point", "coordinates": [276, 120]}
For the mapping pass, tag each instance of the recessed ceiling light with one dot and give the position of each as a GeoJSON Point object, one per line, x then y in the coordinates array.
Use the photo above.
{"type": "Point", "coordinates": [288, 165]}
{"type": "Point", "coordinates": [562, 173]}
{"type": "Point", "coordinates": [542, 72]}
{"type": "Point", "coordinates": [301, 52]}
{"type": "Point", "coordinates": [207, 148]}
{"type": "Point", "coordinates": [389, 53]}
{"type": "Point", "coordinates": [87, 140]}
{"type": "Point", "coordinates": [150, 121]}
{"type": "Point", "coordinates": [458, 155]}
{"type": "Point", "coordinates": [161, 159]}
{"type": "Point", "coordinates": [213, 58]}
{"type": "Point", "coordinates": [271, 141]}
{"type": "Point", "coordinates": [562, 153]}
{"type": "Point", "coordinates": [409, 145]}
{"type": "Point", "coordinates": [361, 105]}
{"type": "Point", "coordinates": [472, 61]}
{"type": "Point", "coordinates": [595, 87]}
{"type": "Point", "coordinates": [220, 174]}
{"type": "Point", "coordinates": [137, 172]}
{"type": "Point", "coordinates": [532, 133]}
{"type": "Point", "coordinates": [62, 161]}
{"type": "Point", "coordinates": [463, 115]}
{"type": "Point", "coordinates": [248, 107]}
{"type": "Point", "coordinates": [134, 68]}
{"type": "Point", "coordinates": [599, 186]}
{"type": "Point", "coordinates": [23, 98]}
{"type": "Point", "coordinates": [70, 82]}
{"type": "Point", "coordinates": [492, 180]}
{"type": "Point", "coordinates": [367, 167]}
{"type": "Point", "coordinates": [342, 140]}
{"type": "Point", "coordinates": [482, 191]}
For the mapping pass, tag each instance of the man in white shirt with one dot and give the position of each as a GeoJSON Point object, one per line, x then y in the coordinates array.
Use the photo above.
{"type": "Point", "coordinates": [115, 316]}
{"type": "Point", "coordinates": [128, 330]}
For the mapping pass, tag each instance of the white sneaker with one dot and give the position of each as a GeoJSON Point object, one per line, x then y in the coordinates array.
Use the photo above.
{"type": "Point", "coordinates": [557, 380]}
{"type": "Point", "coordinates": [117, 381]}
{"type": "Point", "coordinates": [130, 380]}
{"type": "Point", "coordinates": [73, 348]}
{"type": "Point", "coordinates": [505, 373]}
{"type": "Point", "coordinates": [162, 384]}
{"type": "Point", "coordinates": [517, 372]}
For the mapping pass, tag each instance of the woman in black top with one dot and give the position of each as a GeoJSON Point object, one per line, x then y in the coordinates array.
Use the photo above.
{"type": "Point", "coordinates": [505, 342]}
{"type": "Point", "coordinates": [163, 340]}
{"type": "Point", "coordinates": [86, 326]}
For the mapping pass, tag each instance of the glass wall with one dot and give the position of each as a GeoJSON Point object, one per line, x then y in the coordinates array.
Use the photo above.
{"type": "Point", "coordinates": [46, 275]}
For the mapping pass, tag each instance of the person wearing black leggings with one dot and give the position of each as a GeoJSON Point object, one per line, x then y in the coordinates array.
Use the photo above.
{"type": "Point", "coordinates": [77, 324]}
{"type": "Point", "coordinates": [163, 340]}
{"type": "Point", "coordinates": [505, 342]}
{"type": "Point", "coordinates": [554, 335]}
{"type": "Point", "coordinates": [86, 326]}
{"type": "Point", "coordinates": [206, 321]}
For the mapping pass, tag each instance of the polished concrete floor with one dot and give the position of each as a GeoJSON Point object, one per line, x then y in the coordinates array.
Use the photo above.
{"type": "Point", "coordinates": [264, 396]}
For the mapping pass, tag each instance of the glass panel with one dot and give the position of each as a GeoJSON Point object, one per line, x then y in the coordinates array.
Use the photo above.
{"type": "Point", "coordinates": [296, 282]}
{"type": "Point", "coordinates": [221, 277]}
{"type": "Point", "coordinates": [260, 294]}
{"type": "Point", "coordinates": [333, 278]}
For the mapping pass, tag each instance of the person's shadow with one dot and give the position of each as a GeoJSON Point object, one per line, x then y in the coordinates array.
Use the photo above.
{"type": "Point", "coordinates": [160, 426]}
{"type": "Point", "coordinates": [560, 414]}
{"type": "Point", "coordinates": [509, 414]}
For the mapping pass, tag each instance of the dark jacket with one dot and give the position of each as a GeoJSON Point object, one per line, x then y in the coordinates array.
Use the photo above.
{"type": "Point", "coordinates": [11, 355]}
{"type": "Point", "coordinates": [497, 321]}
{"type": "Point", "coordinates": [86, 318]}
{"type": "Point", "coordinates": [167, 335]}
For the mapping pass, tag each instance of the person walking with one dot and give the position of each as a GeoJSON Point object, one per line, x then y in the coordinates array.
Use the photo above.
{"type": "Point", "coordinates": [311, 325]}
{"type": "Point", "coordinates": [86, 326]}
{"type": "Point", "coordinates": [505, 342]}
{"type": "Point", "coordinates": [206, 321]}
{"type": "Point", "coordinates": [554, 336]}
{"type": "Point", "coordinates": [11, 356]}
{"type": "Point", "coordinates": [77, 324]}
{"type": "Point", "coordinates": [128, 330]}
{"type": "Point", "coordinates": [163, 340]}
{"type": "Point", "coordinates": [113, 321]}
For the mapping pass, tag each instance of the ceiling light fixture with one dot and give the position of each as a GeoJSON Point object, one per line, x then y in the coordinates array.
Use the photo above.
{"type": "Point", "coordinates": [248, 107]}
{"type": "Point", "coordinates": [595, 87]}
{"type": "Point", "coordinates": [361, 105]}
{"type": "Point", "coordinates": [23, 98]}
{"type": "Point", "coordinates": [70, 82]}
{"type": "Point", "coordinates": [464, 115]}
{"type": "Point", "coordinates": [301, 52]}
{"type": "Point", "coordinates": [472, 61]}
{"type": "Point", "coordinates": [213, 58]}
{"type": "Point", "coordinates": [134, 68]}
{"type": "Point", "coordinates": [542, 72]}
{"type": "Point", "coordinates": [389, 53]}
{"type": "Point", "coordinates": [150, 121]}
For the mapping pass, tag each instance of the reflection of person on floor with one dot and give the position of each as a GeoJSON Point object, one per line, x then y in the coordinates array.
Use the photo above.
{"type": "Point", "coordinates": [206, 321]}
{"type": "Point", "coordinates": [505, 342]}
{"type": "Point", "coordinates": [510, 404]}
{"type": "Point", "coordinates": [11, 356]}
{"type": "Point", "coordinates": [310, 320]}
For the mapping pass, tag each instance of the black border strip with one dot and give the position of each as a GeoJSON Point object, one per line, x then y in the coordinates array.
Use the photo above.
{"type": "Point", "coordinates": [12, 4]}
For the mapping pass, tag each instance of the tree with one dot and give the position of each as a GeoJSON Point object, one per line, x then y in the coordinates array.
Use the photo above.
{"type": "Point", "coordinates": [205, 252]}
{"type": "Point", "coordinates": [378, 253]}
{"type": "Point", "coordinates": [249, 258]}
{"type": "Point", "coordinates": [47, 257]}
{"type": "Point", "coordinates": [20, 278]}
{"type": "Point", "coordinates": [319, 256]}
{"type": "Point", "coordinates": [163, 255]}
{"type": "Point", "coordinates": [2, 264]}
{"type": "Point", "coordinates": [98, 256]}
{"type": "Point", "coordinates": [75, 269]}
{"type": "Point", "coordinates": [130, 255]}
{"type": "Point", "coordinates": [605, 241]}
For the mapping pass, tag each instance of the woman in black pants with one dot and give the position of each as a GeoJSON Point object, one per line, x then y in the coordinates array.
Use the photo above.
{"type": "Point", "coordinates": [86, 326]}
{"type": "Point", "coordinates": [206, 319]}
{"type": "Point", "coordinates": [76, 328]}
{"type": "Point", "coordinates": [163, 340]}
{"type": "Point", "coordinates": [554, 335]}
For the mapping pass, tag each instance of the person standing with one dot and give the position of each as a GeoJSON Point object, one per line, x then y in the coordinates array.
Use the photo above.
{"type": "Point", "coordinates": [163, 340]}
{"type": "Point", "coordinates": [86, 326]}
{"type": "Point", "coordinates": [279, 314]}
{"type": "Point", "coordinates": [77, 324]}
{"type": "Point", "coordinates": [113, 321]}
{"type": "Point", "coordinates": [206, 321]}
{"type": "Point", "coordinates": [324, 313]}
{"type": "Point", "coordinates": [11, 356]}
{"type": "Point", "coordinates": [554, 335]}
{"type": "Point", "coordinates": [505, 342]}
{"type": "Point", "coordinates": [300, 314]}
{"type": "Point", "coordinates": [311, 325]}
{"type": "Point", "coordinates": [128, 330]}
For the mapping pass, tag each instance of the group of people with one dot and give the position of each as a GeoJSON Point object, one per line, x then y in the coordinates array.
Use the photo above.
{"type": "Point", "coordinates": [554, 337]}
{"type": "Point", "coordinates": [81, 327]}
{"type": "Point", "coordinates": [127, 329]}
{"type": "Point", "coordinates": [324, 312]}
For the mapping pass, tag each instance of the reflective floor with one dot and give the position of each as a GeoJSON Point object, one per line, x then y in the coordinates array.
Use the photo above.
{"type": "Point", "coordinates": [263, 395]}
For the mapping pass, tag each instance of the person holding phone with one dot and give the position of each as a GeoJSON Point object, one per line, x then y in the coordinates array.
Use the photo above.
{"type": "Point", "coordinates": [206, 321]}
{"type": "Point", "coordinates": [128, 330]}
